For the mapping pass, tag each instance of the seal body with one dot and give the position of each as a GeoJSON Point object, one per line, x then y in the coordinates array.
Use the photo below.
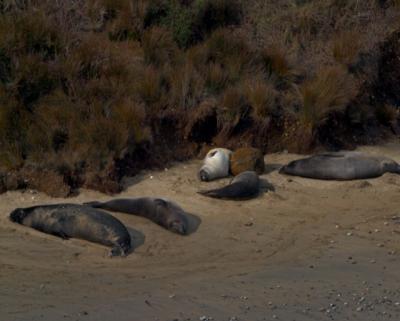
{"type": "Point", "coordinates": [247, 159]}
{"type": "Point", "coordinates": [341, 166]}
{"type": "Point", "coordinates": [161, 211]}
{"type": "Point", "coordinates": [215, 165]}
{"type": "Point", "coordinates": [76, 221]}
{"type": "Point", "coordinates": [245, 185]}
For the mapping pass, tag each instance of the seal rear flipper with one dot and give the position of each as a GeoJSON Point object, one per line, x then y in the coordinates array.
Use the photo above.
{"type": "Point", "coordinates": [94, 204]}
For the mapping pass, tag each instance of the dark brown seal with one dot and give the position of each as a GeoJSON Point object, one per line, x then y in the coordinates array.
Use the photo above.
{"type": "Point", "coordinates": [76, 221]}
{"type": "Point", "coordinates": [244, 186]}
{"type": "Point", "coordinates": [163, 212]}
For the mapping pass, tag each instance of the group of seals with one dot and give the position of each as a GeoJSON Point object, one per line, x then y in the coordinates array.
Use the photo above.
{"type": "Point", "coordinates": [244, 162]}
{"type": "Point", "coordinates": [328, 166]}
{"type": "Point", "coordinates": [341, 166]}
{"type": "Point", "coordinates": [89, 223]}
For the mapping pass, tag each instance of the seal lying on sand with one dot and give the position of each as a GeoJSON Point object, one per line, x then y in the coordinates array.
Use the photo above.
{"type": "Point", "coordinates": [160, 211]}
{"type": "Point", "coordinates": [341, 166]}
{"type": "Point", "coordinates": [216, 164]}
{"type": "Point", "coordinates": [76, 221]}
{"type": "Point", "coordinates": [245, 185]}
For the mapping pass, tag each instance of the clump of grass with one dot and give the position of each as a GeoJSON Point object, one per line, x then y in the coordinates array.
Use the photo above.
{"type": "Point", "coordinates": [276, 63]}
{"type": "Point", "coordinates": [224, 44]}
{"type": "Point", "coordinates": [233, 105]}
{"type": "Point", "coordinates": [159, 47]}
{"type": "Point", "coordinates": [214, 14]}
{"type": "Point", "coordinates": [33, 33]}
{"type": "Point", "coordinates": [262, 98]}
{"type": "Point", "coordinates": [386, 114]}
{"type": "Point", "coordinates": [186, 86]}
{"type": "Point", "coordinates": [33, 78]}
{"type": "Point", "coordinates": [149, 86]}
{"type": "Point", "coordinates": [346, 47]}
{"type": "Point", "coordinates": [216, 78]}
{"type": "Point", "coordinates": [331, 90]}
{"type": "Point", "coordinates": [12, 132]}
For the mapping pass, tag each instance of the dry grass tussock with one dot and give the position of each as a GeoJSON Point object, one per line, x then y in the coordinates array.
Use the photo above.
{"type": "Point", "coordinates": [90, 88]}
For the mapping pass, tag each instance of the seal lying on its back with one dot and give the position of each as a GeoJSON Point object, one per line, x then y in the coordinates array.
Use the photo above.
{"type": "Point", "coordinates": [341, 166]}
{"type": "Point", "coordinates": [160, 211]}
{"type": "Point", "coordinates": [243, 186]}
{"type": "Point", "coordinates": [216, 164]}
{"type": "Point", "coordinates": [76, 221]}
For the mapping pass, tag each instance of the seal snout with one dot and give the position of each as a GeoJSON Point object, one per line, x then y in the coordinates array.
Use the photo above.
{"type": "Point", "coordinates": [178, 227]}
{"type": "Point", "coordinates": [17, 215]}
{"type": "Point", "coordinates": [203, 175]}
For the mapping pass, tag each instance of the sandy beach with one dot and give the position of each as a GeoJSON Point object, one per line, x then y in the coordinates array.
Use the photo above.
{"type": "Point", "coordinates": [303, 250]}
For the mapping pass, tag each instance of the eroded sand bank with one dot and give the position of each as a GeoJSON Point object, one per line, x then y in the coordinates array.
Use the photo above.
{"type": "Point", "coordinates": [309, 250]}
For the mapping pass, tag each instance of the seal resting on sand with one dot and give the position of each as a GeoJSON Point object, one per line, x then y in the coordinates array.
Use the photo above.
{"type": "Point", "coordinates": [216, 164]}
{"type": "Point", "coordinates": [161, 211]}
{"type": "Point", "coordinates": [245, 185]}
{"type": "Point", "coordinates": [341, 166]}
{"type": "Point", "coordinates": [76, 221]}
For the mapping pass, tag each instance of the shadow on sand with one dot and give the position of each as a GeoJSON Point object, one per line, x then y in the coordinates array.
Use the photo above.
{"type": "Point", "coordinates": [266, 186]}
{"type": "Point", "coordinates": [137, 238]}
{"type": "Point", "coordinates": [193, 223]}
{"type": "Point", "coordinates": [269, 168]}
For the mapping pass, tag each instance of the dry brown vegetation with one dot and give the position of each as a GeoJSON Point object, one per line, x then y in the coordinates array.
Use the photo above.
{"type": "Point", "coordinates": [91, 90]}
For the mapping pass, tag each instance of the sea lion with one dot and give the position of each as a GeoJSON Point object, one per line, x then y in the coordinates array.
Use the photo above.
{"type": "Point", "coordinates": [245, 185]}
{"type": "Point", "coordinates": [161, 211]}
{"type": "Point", "coordinates": [76, 221]}
{"type": "Point", "coordinates": [341, 166]}
{"type": "Point", "coordinates": [215, 165]}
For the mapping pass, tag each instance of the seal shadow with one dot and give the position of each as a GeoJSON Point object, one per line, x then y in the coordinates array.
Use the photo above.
{"type": "Point", "coordinates": [266, 186]}
{"type": "Point", "coordinates": [129, 181]}
{"type": "Point", "coordinates": [269, 168]}
{"type": "Point", "coordinates": [137, 238]}
{"type": "Point", "coordinates": [193, 223]}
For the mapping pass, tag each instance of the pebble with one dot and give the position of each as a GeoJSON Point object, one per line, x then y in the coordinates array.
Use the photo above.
{"type": "Point", "coordinates": [349, 234]}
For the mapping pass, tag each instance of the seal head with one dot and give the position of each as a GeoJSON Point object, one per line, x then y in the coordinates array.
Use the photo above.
{"type": "Point", "coordinates": [215, 165]}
